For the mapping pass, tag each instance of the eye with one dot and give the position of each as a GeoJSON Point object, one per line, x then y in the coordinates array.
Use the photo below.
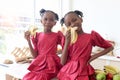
{"type": "Point", "coordinates": [67, 24]}
{"type": "Point", "coordinates": [73, 20]}
{"type": "Point", "coordinates": [45, 19]}
{"type": "Point", "coordinates": [52, 20]}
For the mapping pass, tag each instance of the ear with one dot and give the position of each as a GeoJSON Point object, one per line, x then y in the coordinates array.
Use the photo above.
{"type": "Point", "coordinates": [81, 19]}
{"type": "Point", "coordinates": [41, 21]}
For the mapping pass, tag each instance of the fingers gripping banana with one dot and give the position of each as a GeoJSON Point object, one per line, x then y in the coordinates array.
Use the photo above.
{"type": "Point", "coordinates": [33, 30]}
{"type": "Point", "coordinates": [74, 35]}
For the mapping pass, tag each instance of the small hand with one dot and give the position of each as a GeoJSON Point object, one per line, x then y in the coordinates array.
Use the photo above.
{"type": "Point", "coordinates": [27, 35]}
{"type": "Point", "coordinates": [68, 37]}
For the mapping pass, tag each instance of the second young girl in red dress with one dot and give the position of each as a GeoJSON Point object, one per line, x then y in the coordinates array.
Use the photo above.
{"type": "Point", "coordinates": [76, 57]}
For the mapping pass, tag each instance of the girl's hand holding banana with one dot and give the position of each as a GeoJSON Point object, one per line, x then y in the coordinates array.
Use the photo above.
{"type": "Point", "coordinates": [33, 30]}
{"type": "Point", "coordinates": [68, 36]}
{"type": "Point", "coordinates": [27, 35]}
{"type": "Point", "coordinates": [74, 34]}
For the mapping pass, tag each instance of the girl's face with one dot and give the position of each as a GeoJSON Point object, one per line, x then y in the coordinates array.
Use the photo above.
{"type": "Point", "coordinates": [48, 20]}
{"type": "Point", "coordinates": [73, 20]}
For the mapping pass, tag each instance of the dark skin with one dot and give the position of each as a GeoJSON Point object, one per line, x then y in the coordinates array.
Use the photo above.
{"type": "Point", "coordinates": [73, 20]}
{"type": "Point", "coordinates": [48, 21]}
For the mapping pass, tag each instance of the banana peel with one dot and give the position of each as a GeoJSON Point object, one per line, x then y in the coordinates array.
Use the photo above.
{"type": "Point", "coordinates": [74, 34]}
{"type": "Point", "coordinates": [111, 69]}
{"type": "Point", "coordinates": [33, 30]}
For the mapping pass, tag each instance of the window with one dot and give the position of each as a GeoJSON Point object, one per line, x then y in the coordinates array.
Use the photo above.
{"type": "Point", "coordinates": [16, 16]}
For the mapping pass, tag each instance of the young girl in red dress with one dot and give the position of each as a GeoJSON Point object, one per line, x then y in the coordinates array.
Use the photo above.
{"type": "Point", "coordinates": [46, 63]}
{"type": "Point", "coordinates": [76, 57]}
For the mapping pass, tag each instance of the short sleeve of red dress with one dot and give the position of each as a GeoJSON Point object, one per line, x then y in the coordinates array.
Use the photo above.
{"type": "Point", "coordinates": [61, 38]}
{"type": "Point", "coordinates": [98, 40]}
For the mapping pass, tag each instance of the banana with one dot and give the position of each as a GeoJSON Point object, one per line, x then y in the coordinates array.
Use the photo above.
{"type": "Point", "coordinates": [33, 30]}
{"type": "Point", "coordinates": [74, 34]}
{"type": "Point", "coordinates": [107, 70]}
{"type": "Point", "coordinates": [111, 69]}
{"type": "Point", "coordinates": [97, 71]}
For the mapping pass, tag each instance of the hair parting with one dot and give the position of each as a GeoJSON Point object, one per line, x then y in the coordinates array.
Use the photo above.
{"type": "Point", "coordinates": [42, 12]}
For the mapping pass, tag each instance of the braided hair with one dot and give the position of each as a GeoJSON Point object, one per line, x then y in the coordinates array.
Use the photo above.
{"type": "Point", "coordinates": [79, 13]}
{"type": "Point", "coordinates": [43, 11]}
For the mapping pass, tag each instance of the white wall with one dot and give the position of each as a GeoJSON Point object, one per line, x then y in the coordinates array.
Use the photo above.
{"type": "Point", "coordinates": [102, 16]}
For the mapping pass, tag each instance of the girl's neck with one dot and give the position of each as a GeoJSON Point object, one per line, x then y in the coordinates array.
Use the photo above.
{"type": "Point", "coordinates": [47, 31]}
{"type": "Point", "coordinates": [80, 32]}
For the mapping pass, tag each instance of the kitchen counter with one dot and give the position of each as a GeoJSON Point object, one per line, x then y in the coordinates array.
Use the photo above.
{"type": "Point", "coordinates": [13, 71]}
{"type": "Point", "coordinates": [105, 60]}
{"type": "Point", "coordinates": [18, 70]}
{"type": "Point", "coordinates": [113, 58]}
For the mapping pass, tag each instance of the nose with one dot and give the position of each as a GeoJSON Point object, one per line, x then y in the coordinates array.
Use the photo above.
{"type": "Point", "coordinates": [47, 21]}
{"type": "Point", "coordinates": [72, 25]}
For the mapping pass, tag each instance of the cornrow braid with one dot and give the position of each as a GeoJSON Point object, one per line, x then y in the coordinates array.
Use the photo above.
{"type": "Point", "coordinates": [42, 12]}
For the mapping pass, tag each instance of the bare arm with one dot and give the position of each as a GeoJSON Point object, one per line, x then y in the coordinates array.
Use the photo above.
{"type": "Point", "coordinates": [65, 49]}
{"type": "Point", "coordinates": [27, 37]}
{"type": "Point", "coordinates": [105, 51]}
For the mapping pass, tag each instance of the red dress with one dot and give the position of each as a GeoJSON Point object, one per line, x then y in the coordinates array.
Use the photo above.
{"type": "Point", "coordinates": [77, 66]}
{"type": "Point", "coordinates": [47, 64]}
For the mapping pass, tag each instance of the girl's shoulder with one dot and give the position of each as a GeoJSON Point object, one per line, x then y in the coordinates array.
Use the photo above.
{"type": "Point", "coordinates": [59, 32]}
{"type": "Point", "coordinates": [94, 33]}
{"type": "Point", "coordinates": [38, 34]}
{"type": "Point", "coordinates": [51, 33]}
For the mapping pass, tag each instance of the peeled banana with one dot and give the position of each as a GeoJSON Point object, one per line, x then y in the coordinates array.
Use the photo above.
{"type": "Point", "coordinates": [74, 34]}
{"type": "Point", "coordinates": [33, 30]}
{"type": "Point", "coordinates": [111, 69]}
